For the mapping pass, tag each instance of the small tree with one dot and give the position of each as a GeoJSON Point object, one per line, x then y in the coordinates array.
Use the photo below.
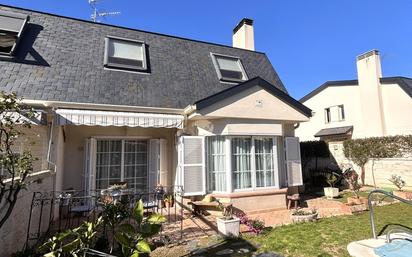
{"type": "Point", "coordinates": [16, 167]}
{"type": "Point", "coordinates": [357, 151]}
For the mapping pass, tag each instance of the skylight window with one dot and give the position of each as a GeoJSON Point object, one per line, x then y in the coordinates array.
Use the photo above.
{"type": "Point", "coordinates": [11, 29]}
{"type": "Point", "coordinates": [229, 68]}
{"type": "Point", "coordinates": [125, 54]}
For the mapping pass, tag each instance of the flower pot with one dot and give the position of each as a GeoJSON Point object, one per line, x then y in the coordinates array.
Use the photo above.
{"type": "Point", "coordinates": [403, 194]}
{"type": "Point", "coordinates": [228, 228]}
{"type": "Point", "coordinates": [331, 192]}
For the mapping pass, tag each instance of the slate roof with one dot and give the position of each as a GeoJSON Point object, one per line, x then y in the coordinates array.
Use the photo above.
{"type": "Point", "coordinates": [249, 84]}
{"type": "Point", "coordinates": [334, 131]}
{"type": "Point", "coordinates": [404, 82]}
{"type": "Point", "coordinates": [61, 59]}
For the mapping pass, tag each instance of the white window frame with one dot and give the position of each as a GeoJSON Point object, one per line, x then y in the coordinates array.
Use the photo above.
{"type": "Point", "coordinates": [126, 67]}
{"type": "Point", "coordinates": [93, 153]}
{"type": "Point", "coordinates": [228, 165]}
{"type": "Point", "coordinates": [219, 74]}
{"type": "Point", "coordinates": [342, 115]}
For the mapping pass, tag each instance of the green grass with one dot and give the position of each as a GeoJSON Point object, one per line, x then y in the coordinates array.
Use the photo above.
{"type": "Point", "coordinates": [329, 236]}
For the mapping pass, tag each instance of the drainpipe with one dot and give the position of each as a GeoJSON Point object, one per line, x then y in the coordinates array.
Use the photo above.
{"type": "Point", "coordinates": [50, 143]}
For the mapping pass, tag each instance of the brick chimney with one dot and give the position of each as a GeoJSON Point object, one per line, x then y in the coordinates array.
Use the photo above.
{"type": "Point", "coordinates": [369, 75]}
{"type": "Point", "coordinates": [243, 35]}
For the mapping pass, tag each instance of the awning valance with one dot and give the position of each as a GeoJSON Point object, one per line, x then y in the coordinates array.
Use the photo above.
{"type": "Point", "coordinates": [118, 119]}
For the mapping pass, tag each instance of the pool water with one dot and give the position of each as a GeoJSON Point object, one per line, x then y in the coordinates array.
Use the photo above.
{"type": "Point", "coordinates": [397, 248]}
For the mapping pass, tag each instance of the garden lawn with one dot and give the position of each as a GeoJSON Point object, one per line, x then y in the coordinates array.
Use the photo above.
{"type": "Point", "coordinates": [329, 236]}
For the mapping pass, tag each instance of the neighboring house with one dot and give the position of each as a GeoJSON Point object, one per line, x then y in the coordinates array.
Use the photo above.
{"type": "Point", "coordinates": [371, 106]}
{"type": "Point", "coordinates": [127, 105]}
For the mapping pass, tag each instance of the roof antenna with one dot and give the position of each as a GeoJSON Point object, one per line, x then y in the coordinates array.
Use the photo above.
{"type": "Point", "coordinates": [96, 13]}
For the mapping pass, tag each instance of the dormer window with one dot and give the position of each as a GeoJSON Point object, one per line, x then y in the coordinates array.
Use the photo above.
{"type": "Point", "coordinates": [125, 54]}
{"type": "Point", "coordinates": [229, 68]}
{"type": "Point", "coordinates": [11, 29]}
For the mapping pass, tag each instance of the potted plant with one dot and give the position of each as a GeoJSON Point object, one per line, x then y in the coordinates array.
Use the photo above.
{"type": "Point", "coordinates": [397, 181]}
{"type": "Point", "coordinates": [304, 215]}
{"type": "Point", "coordinates": [227, 225]}
{"type": "Point", "coordinates": [331, 191]}
{"type": "Point", "coordinates": [169, 201]}
{"type": "Point", "coordinates": [352, 178]}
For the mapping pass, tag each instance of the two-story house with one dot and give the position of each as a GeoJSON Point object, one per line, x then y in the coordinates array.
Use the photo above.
{"type": "Point", "coordinates": [371, 106]}
{"type": "Point", "coordinates": [125, 105]}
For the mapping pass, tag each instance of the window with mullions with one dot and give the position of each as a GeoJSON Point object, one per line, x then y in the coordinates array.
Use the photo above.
{"type": "Point", "coordinates": [229, 68]}
{"type": "Point", "coordinates": [216, 165]}
{"type": "Point", "coordinates": [252, 162]}
{"type": "Point", "coordinates": [121, 160]}
{"type": "Point", "coordinates": [125, 54]}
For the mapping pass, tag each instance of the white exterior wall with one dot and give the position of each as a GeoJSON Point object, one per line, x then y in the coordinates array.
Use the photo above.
{"type": "Point", "coordinates": [331, 96]}
{"type": "Point", "coordinates": [397, 110]}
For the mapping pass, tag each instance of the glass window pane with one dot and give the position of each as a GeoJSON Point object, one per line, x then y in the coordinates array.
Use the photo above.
{"type": "Point", "coordinates": [226, 63]}
{"type": "Point", "coordinates": [125, 49]}
{"type": "Point", "coordinates": [264, 162]}
{"type": "Point", "coordinates": [216, 163]}
{"type": "Point", "coordinates": [241, 162]}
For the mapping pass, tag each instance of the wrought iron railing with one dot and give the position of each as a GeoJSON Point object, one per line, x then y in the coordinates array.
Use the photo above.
{"type": "Point", "coordinates": [53, 212]}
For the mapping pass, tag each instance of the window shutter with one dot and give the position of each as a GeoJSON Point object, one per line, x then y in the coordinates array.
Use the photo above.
{"type": "Point", "coordinates": [154, 163]}
{"type": "Point", "coordinates": [163, 163]}
{"type": "Point", "coordinates": [293, 162]}
{"type": "Point", "coordinates": [192, 165]}
{"type": "Point", "coordinates": [89, 166]}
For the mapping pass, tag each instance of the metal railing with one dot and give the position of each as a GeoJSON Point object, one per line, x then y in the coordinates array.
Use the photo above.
{"type": "Point", "coordinates": [371, 211]}
{"type": "Point", "coordinates": [52, 212]}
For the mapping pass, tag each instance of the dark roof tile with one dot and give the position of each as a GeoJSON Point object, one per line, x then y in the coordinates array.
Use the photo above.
{"type": "Point", "coordinates": [61, 59]}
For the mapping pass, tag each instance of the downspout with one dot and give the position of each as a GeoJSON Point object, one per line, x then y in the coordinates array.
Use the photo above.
{"type": "Point", "coordinates": [50, 143]}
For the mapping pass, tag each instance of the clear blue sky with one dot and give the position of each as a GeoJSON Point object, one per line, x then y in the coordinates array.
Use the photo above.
{"type": "Point", "coordinates": [307, 41]}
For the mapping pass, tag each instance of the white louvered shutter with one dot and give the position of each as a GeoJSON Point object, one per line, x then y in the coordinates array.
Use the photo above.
{"type": "Point", "coordinates": [163, 178]}
{"type": "Point", "coordinates": [293, 162]}
{"type": "Point", "coordinates": [89, 165]}
{"type": "Point", "coordinates": [154, 163]}
{"type": "Point", "coordinates": [192, 165]}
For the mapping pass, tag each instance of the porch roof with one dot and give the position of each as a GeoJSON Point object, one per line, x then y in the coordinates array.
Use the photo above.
{"type": "Point", "coordinates": [118, 119]}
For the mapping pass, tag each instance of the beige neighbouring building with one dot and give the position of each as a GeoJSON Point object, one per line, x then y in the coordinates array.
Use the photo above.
{"type": "Point", "coordinates": [371, 106]}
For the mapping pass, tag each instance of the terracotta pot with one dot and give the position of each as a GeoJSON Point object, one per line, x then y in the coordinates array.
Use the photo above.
{"type": "Point", "coordinates": [403, 194]}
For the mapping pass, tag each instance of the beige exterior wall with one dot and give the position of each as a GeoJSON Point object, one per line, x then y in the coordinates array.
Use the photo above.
{"type": "Point", "coordinates": [253, 103]}
{"type": "Point", "coordinates": [13, 233]}
{"type": "Point", "coordinates": [75, 141]}
{"type": "Point", "coordinates": [35, 141]}
{"type": "Point", "coordinates": [244, 38]}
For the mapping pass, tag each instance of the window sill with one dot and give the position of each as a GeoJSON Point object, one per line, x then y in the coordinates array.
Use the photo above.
{"type": "Point", "coordinates": [260, 192]}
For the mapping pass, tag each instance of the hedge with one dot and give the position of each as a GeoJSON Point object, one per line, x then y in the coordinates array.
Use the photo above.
{"type": "Point", "coordinates": [361, 150]}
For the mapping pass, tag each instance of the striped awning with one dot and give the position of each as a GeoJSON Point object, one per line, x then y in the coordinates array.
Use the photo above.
{"type": "Point", "coordinates": [118, 119]}
{"type": "Point", "coordinates": [38, 117]}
